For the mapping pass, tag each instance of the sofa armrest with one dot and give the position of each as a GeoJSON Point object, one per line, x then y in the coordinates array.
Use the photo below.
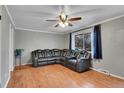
{"type": "Point", "coordinates": [34, 59]}
{"type": "Point", "coordinates": [82, 65]}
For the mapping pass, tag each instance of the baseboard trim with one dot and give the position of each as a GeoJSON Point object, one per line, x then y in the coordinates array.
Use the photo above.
{"type": "Point", "coordinates": [8, 77]}
{"type": "Point", "coordinates": [116, 76]}
{"type": "Point", "coordinates": [7, 81]}
{"type": "Point", "coordinates": [24, 64]}
{"type": "Point", "coordinates": [12, 69]}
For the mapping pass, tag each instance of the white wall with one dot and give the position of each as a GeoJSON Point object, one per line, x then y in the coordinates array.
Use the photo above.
{"type": "Point", "coordinates": [30, 41]}
{"type": "Point", "coordinates": [5, 25]}
{"type": "Point", "coordinates": [113, 47]}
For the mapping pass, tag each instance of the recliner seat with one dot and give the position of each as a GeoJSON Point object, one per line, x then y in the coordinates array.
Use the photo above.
{"type": "Point", "coordinates": [69, 58]}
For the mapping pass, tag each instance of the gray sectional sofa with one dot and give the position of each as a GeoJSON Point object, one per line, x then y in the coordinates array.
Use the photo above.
{"type": "Point", "coordinates": [78, 61]}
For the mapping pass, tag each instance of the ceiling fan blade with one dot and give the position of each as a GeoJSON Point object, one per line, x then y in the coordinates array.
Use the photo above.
{"type": "Point", "coordinates": [52, 20]}
{"type": "Point", "coordinates": [56, 25]}
{"type": "Point", "coordinates": [75, 19]}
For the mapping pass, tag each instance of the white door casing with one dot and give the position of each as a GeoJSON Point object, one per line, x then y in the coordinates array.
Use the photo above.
{"type": "Point", "coordinates": [11, 49]}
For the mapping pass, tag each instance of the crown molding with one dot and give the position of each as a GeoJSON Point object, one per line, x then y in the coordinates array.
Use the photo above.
{"type": "Point", "coordinates": [101, 22]}
{"type": "Point", "coordinates": [107, 20]}
{"type": "Point", "coordinates": [32, 30]}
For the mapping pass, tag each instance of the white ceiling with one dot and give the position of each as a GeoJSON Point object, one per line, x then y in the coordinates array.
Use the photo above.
{"type": "Point", "coordinates": [32, 17]}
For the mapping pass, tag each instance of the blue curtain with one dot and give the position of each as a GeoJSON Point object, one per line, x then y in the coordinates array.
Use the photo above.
{"type": "Point", "coordinates": [70, 41]}
{"type": "Point", "coordinates": [97, 44]}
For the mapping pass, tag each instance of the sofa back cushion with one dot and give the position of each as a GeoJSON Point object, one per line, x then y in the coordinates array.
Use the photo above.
{"type": "Point", "coordinates": [73, 53]}
{"type": "Point", "coordinates": [40, 53]}
{"type": "Point", "coordinates": [56, 52]}
{"type": "Point", "coordinates": [84, 54]}
{"type": "Point", "coordinates": [87, 55]}
{"type": "Point", "coordinates": [48, 53]}
{"type": "Point", "coordinates": [64, 52]}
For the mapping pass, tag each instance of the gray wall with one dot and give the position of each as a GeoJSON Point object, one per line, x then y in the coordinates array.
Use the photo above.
{"type": "Point", "coordinates": [4, 47]}
{"type": "Point", "coordinates": [112, 33]}
{"type": "Point", "coordinates": [113, 47]}
{"type": "Point", "coordinates": [30, 41]}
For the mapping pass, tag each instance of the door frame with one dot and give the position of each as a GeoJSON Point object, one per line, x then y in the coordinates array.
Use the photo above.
{"type": "Point", "coordinates": [11, 48]}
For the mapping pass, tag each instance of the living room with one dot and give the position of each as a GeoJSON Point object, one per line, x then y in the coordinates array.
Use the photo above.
{"type": "Point", "coordinates": [94, 42]}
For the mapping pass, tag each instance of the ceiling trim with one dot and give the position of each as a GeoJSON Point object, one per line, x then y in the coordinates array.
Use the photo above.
{"type": "Point", "coordinates": [101, 22]}
{"type": "Point", "coordinates": [10, 17]}
{"type": "Point", "coordinates": [18, 28]}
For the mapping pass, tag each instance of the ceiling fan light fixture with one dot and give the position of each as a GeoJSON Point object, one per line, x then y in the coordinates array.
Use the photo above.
{"type": "Point", "coordinates": [66, 23]}
{"type": "Point", "coordinates": [63, 16]}
{"type": "Point", "coordinates": [62, 24]}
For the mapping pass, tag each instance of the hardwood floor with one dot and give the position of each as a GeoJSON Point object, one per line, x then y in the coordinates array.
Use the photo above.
{"type": "Point", "coordinates": [57, 76]}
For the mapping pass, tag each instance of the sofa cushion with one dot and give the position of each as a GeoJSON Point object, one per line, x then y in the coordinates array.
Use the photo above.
{"type": "Point", "coordinates": [64, 52]}
{"type": "Point", "coordinates": [40, 53]}
{"type": "Point", "coordinates": [70, 57]}
{"type": "Point", "coordinates": [56, 52]}
{"type": "Point", "coordinates": [51, 58]}
{"type": "Point", "coordinates": [42, 59]}
{"type": "Point", "coordinates": [48, 53]}
{"type": "Point", "coordinates": [84, 55]}
{"type": "Point", "coordinates": [51, 62]}
{"type": "Point", "coordinates": [62, 59]}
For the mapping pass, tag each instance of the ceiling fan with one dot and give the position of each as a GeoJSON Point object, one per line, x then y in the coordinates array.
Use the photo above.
{"type": "Point", "coordinates": [64, 20]}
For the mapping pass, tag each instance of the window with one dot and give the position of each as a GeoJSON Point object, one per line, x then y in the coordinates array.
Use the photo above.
{"type": "Point", "coordinates": [79, 42]}
{"type": "Point", "coordinates": [87, 41]}
{"type": "Point", "coordinates": [83, 41]}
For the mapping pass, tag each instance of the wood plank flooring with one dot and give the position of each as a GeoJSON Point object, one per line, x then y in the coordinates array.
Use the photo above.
{"type": "Point", "coordinates": [57, 76]}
